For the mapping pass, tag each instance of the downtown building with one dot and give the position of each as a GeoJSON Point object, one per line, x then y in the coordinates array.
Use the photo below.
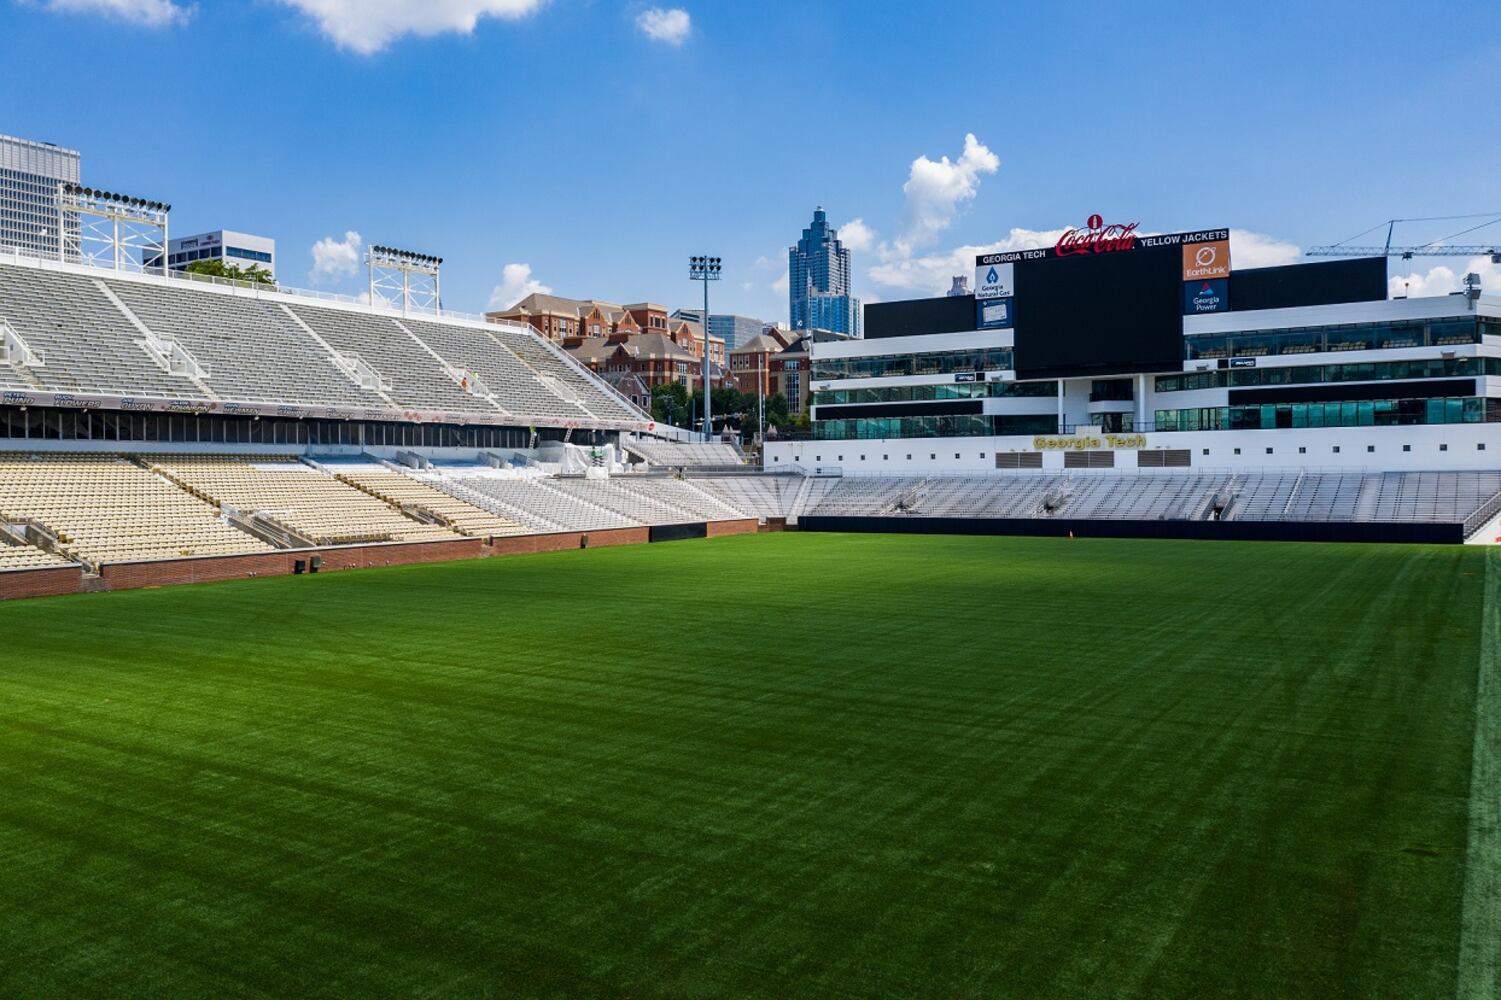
{"type": "Point", "coordinates": [818, 281]}
{"type": "Point", "coordinates": [31, 176]}
{"type": "Point", "coordinates": [233, 249]}
{"type": "Point", "coordinates": [1112, 352]}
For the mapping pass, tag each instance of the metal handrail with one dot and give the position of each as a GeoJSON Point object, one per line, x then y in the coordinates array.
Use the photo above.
{"type": "Point", "coordinates": [1482, 514]}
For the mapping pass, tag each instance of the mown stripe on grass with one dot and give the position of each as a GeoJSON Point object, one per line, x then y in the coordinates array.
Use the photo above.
{"type": "Point", "coordinates": [1480, 923]}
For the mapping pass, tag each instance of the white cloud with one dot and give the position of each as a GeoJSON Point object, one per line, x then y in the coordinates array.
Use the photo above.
{"type": "Point", "coordinates": [933, 273]}
{"type": "Point", "coordinates": [516, 283]}
{"type": "Point", "coordinates": [151, 13]}
{"type": "Point", "coordinates": [671, 26]}
{"type": "Point", "coordinates": [780, 285]}
{"type": "Point", "coordinates": [936, 190]}
{"type": "Point", "coordinates": [857, 235]}
{"type": "Point", "coordinates": [336, 258]}
{"type": "Point", "coordinates": [367, 26]}
{"type": "Point", "coordinates": [1248, 249]}
{"type": "Point", "coordinates": [1441, 279]}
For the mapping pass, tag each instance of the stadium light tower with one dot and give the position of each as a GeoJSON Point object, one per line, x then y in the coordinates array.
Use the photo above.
{"type": "Point", "coordinates": [406, 277]}
{"type": "Point", "coordinates": [105, 229]}
{"type": "Point", "coordinates": [705, 269]}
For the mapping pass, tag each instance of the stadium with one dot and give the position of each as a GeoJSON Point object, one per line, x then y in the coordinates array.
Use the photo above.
{"type": "Point", "coordinates": [1155, 741]}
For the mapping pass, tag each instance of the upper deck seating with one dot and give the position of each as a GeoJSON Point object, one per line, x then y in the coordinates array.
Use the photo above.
{"type": "Point", "coordinates": [515, 387]}
{"type": "Point", "coordinates": [253, 350]}
{"type": "Point", "coordinates": [86, 343]}
{"type": "Point", "coordinates": [417, 379]}
{"type": "Point", "coordinates": [598, 399]}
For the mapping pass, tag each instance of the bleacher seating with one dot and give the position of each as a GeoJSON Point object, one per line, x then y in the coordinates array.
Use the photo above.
{"type": "Point", "coordinates": [85, 341]}
{"type": "Point", "coordinates": [1259, 497]}
{"type": "Point", "coordinates": [596, 396]}
{"type": "Point", "coordinates": [254, 351]}
{"type": "Point", "coordinates": [1335, 496]}
{"type": "Point", "coordinates": [17, 556]}
{"type": "Point", "coordinates": [865, 495]}
{"type": "Point", "coordinates": [758, 496]}
{"type": "Point", "coordinates": [611, 496]}
{"type": "Point", "coordinates": [1142, 497]}
{"type": "Point", "coordinates": [1427, 496]}
{"type": "Point", "coordinates": [417, 380]}
{"type": "Point", "coordinates": [266, 348]}
{"type": "Point", "coordinates": [104, 508]}
{"type": "Point", "coordinates": [683, 453]}
{"type": "Point", "coordinates": [311, 504]}
{"type": "Point", "coordinates": [403, 491]}
{"type": "Point", "coordinates": [533, 502]}
{"type": "Point", "coordinates": [516, 388]}
{"type": "Point", "coordinates": [681, 495]}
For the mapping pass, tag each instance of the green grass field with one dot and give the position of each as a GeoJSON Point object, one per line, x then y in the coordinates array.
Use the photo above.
{"type": "Point", "coordinates": [893, 766]}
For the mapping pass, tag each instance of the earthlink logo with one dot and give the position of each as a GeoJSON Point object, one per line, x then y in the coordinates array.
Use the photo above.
{"type": "Point", "coordinates": [1206, 260]}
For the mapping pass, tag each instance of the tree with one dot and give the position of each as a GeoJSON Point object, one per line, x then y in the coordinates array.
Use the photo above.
{"type": "Point", "coordinates": [669, 403]}
{"type": "Point", "coordinates": [218, 269]}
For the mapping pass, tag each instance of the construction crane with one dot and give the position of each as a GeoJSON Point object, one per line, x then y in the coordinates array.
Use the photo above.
{"type": "Point", "coordinates": [1433, 248]}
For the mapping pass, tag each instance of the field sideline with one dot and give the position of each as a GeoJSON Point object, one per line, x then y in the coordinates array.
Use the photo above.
{"type": "Point", "coordinates": [894, 765]}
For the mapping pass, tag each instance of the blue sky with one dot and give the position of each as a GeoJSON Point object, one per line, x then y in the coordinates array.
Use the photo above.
{"type": "Point", "coordinates": [593, 145]}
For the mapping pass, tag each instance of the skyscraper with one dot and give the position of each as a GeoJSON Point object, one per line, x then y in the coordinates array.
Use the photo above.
{"type": "Point", "coordinates": [30, 173]}
{"type": "Point", "coordinates": [818, 281]}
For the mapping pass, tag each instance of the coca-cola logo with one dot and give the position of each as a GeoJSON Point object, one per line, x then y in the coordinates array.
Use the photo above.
{"type": "Point", "coordinates": [1097, 237]}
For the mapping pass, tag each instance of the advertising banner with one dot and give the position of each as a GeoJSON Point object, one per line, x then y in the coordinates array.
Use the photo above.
{"type": "Point", "coordinates": [995, 280]}
{"type": "Point", "coordinates": [1210, 259]}
{"type": "Point", "coordinates": [86, 401]}
{"type": "Point", "coordinates": [992, 313]}
{"type": "Point", "coordinates": [1206, 296]}
{"type": "Point", "coordinates": [1113, 239]}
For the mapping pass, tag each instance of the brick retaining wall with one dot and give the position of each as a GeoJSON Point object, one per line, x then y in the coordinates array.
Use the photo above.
{"type": "Point", "coordinates": [51, 581]}
{"type": "Point", "coordinates": [46, 581]}
{"type": "Point", "coordinates": [745, 526]}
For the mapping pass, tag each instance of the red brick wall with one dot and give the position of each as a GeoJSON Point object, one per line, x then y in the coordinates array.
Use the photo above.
{"type": "Point", "coordinates": [126, 576]}
{"type": "Point", "coordinates": [746, 526]}
{"type": "Point", "coordinates": [48, 581]}
{"type": "Point", "coordinates": [526, 544]}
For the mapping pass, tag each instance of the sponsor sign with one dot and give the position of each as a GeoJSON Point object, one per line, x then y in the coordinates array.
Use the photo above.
{"type": "Point", "coordinates": [1208, 295]}
{"type": "Point", "coordinates": [993, 313]}
{"type": "Point", "coordinates": [1242, 362]}
{"type": "Point", "coordinates": [1107, 239]}
{"type": "Point", "coordinates": [995, 280]}
{"type": "Point", "coordinates": [1209, 259]}
{"type": "Point", "coordinates": [1089, 442]}
{"type": "Point", "coordinates": [138, 404]}
{"type": "Point", "coordinates": [965, 376]}
{"type": "Point", "coordinates": [1096, 237]}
